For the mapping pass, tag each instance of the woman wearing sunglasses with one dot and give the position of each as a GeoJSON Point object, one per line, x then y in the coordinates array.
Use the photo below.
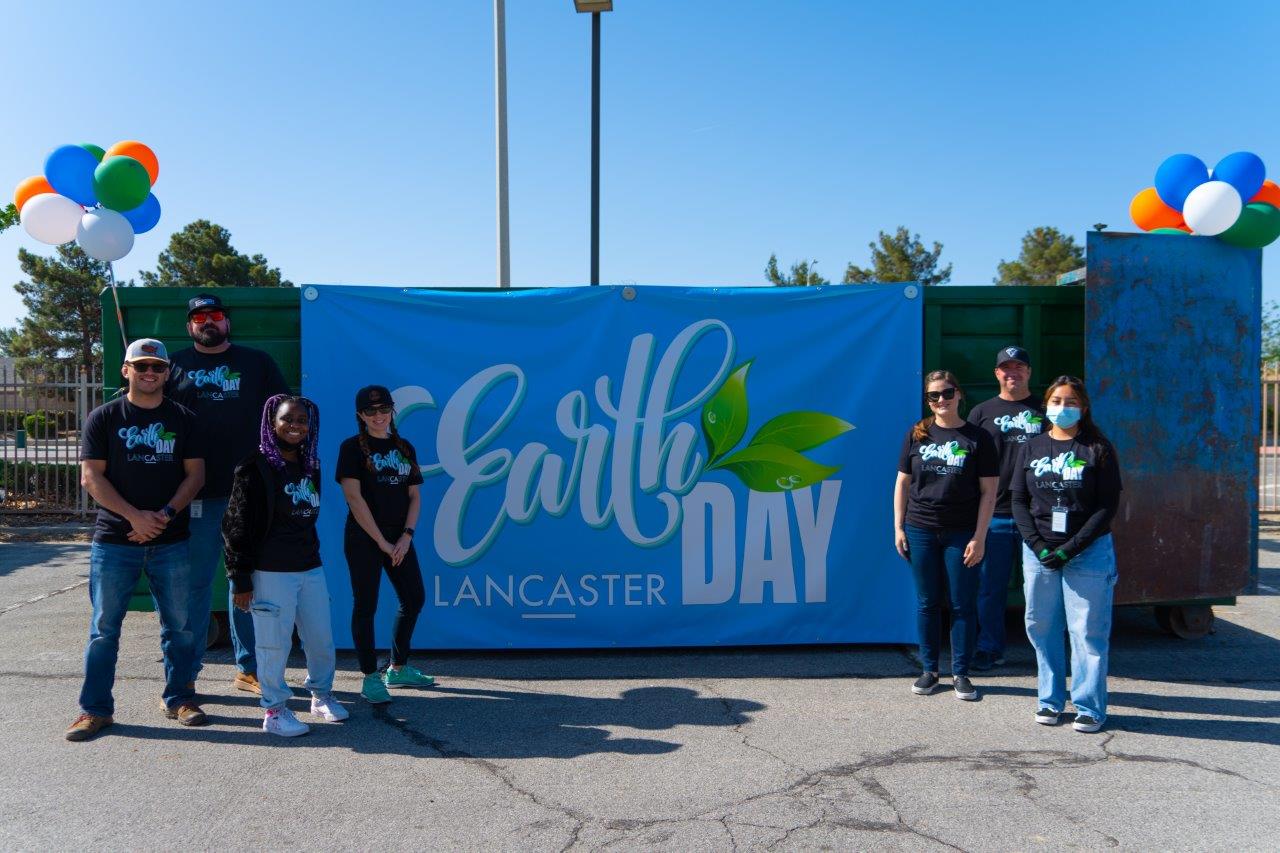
{"type": "Point", "coordinates": [1066, 489]}
{"type": "Point", "coordinates": [942, 503]}
{"type": "Point", "coordinates": [378, 472]}
{"type": "Point", "coordinates": [273, 560]}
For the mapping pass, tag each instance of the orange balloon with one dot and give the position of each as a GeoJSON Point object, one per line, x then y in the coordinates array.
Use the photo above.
{"type": "Point", "coordinates": [1269, 194]}
{"type": "Point", "coordinates": [138, 151]}
{"type": "Point", "coordinates": [1149, 212]}
{"type": "Point", "coordinates": [33, 185]}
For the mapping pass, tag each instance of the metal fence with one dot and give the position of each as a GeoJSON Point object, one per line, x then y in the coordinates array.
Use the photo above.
{"type": "Point", "coordinates": [41, 413]}
{"type": "Point", "coordinates": [1269, 442]}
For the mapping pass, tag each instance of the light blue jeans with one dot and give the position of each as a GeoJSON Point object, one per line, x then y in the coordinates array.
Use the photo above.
{"type": "Point", "coordinates": [280, 601]}
{"type": "Point", "coordinates": [206, 560]}
{"type": "Point", "coordinates": [1077, 599]}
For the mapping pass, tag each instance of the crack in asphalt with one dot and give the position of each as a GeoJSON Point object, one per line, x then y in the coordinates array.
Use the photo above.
{"type": "Point", "coordinates": [44, 596]}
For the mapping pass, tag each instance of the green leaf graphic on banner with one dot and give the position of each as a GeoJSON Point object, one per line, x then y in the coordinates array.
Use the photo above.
{"type": "Point", "coordinates": [801, 430]}
{"type": "Point", "coordinates": [724, 416]}
{"type": "Point", "coordinates": [771, 468]}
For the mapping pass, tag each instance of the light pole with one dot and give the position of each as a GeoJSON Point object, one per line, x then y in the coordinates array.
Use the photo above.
{"type": "Point", "coordinates": [595, 7]}
{"type": "Point", "coordinates": [500, 98]}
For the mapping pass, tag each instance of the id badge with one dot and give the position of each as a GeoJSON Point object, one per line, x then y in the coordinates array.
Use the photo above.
{"type": "Point", "coordinates": [197, 509]}
{"type": "Point", "coordinates": [1059, 519]}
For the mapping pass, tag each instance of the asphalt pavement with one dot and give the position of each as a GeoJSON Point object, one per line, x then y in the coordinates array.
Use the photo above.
{"type": "Point", "coordinates": [793, 748]}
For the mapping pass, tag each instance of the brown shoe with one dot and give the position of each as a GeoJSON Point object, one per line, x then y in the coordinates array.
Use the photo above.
{"type": "Point", "coordinates": [87, 725]}
{"type": "Point", "coordinates": [248, 682]}
{"type": "Point", "coordinates": [188, 713]}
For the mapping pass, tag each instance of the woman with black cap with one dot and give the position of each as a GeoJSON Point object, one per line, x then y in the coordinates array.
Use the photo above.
{"type": "Point", "coordinates": [378, 472]}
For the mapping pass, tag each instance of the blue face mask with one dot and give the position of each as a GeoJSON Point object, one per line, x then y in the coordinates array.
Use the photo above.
{"type": "Point", "coordinates": [1063, 416]}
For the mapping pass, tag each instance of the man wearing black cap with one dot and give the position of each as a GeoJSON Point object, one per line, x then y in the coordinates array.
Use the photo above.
{"type": "Point", "coordinates": [1010, 418]}
{"type": "Point", "coordinates": [225, 384]}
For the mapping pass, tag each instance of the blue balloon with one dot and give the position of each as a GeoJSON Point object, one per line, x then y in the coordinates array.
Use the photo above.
{"type": "Point", "coordinates": [145, 216]}
{"type": "Point", "coordinates": [69, 170]}
{"type": "Point", "coordinates": [1244, 170]}
{"type": "Point", "coordinates": [1178, 176]}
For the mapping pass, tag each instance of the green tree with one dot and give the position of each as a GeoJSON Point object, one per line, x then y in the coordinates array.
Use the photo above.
{"type": "Point", "coordinates": [1046, 253]}
{"type": "Point", "coordinates": [802, 273]}
{"type": "Point", "coordinates": [8, 217]}
{"type": "Point", "coordinates": [63, 324]}
{"type": "Point", "coordinates": [201, 255]}
{"type": "Point", "coordinates": [1271, 333]}
{"type": "Point", "coordinates": [900, 256]}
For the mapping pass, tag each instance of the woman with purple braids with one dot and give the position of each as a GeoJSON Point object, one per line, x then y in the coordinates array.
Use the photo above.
{"type": "Point", "coordinates": [273, 560]}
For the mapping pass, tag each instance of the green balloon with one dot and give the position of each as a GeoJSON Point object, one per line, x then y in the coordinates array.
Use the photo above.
{"type": "Point", "coordinates": [1168, 231]}
{"type": "Point", "coordinates": [1258, 226]}
{"type": "Point", "coordinates": [121, 183]}
{"type": "Point", "coordinates": [95, 150]}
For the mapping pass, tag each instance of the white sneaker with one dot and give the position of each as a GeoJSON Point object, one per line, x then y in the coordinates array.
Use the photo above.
{"type": "Point", "coordinates": [282, 722]}
{"type": "Point", "coordinates": [325, 705]}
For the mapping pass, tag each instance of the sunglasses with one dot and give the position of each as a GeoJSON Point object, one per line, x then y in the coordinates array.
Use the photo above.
{"type": "Point", "coordinates": [384, 409]}
{"type": "Point", "coordinates": [944, 394]}
{"type": "Point", "coordinates": [148, 366]}
{"type": "Point", "coordinates": [201, 317]}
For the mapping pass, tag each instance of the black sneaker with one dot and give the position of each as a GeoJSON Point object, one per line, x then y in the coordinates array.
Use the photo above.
{"type": "Point", "coordinates": [925, 684]}
{"type": "Point", "coordinates": [1085, 723]}
{"type": "Point", "coordinates": [964, 688]}
{"type": "Point", "coordinates": [1047, 717]}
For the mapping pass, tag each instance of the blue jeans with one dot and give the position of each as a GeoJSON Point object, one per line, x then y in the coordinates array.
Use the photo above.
{"type": "Point", "coordinates": [206, 560]}
{"type": "Point", "coordinates": [1076, 599]}
{"type": "Point", "coordinates": [114, 571]}
{"type": "Point", "coordinates": [281, 600]}
{"type": "Point", "coordinates": [1003, 540]}
{"type": "Point", "coordinates": [937, 562]}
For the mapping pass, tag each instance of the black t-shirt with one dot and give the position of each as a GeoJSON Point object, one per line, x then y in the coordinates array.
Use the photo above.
{"type": "Point", "coordinates": [944, 470]}
{"type": "Point", "coordinates": [1010, 423]}
{"type": "Point", "coordinates": [144, 450]}
{"type": "Point", "coordinates": [226, 390]}
{"type": "Point", "coordinates": [386, 488]}
{"type": "Point", "coordinates": [1067, 474]}
{"type": "Point", "coordinates": [291, 544]}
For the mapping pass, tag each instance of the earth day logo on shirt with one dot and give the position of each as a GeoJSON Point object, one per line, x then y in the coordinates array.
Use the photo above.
{"type": "Point", "coordinates": [221, 381]}
{"type": "Point", "coordinates": [391, 461]}
{"type": "Point", "coordinates": [1027, 421]}
{"type": "Point", "coordinates": [303, 492]}
{"type": "Point", "coordinates": [1065, 465]}
{"type": "Point", "coordinates": [951, 454]}
{"type": "Point", "coordinates": [159, 441]}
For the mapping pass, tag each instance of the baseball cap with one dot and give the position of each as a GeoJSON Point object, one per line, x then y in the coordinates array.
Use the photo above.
{"type": "Point", "coordinates": [1013, 353]}
{"type": "Point", "coordinates": [204, 302]}
{"type": "Point", "coordinates": [373, 395]}
{"type": "Point", "coordinates": [146, 349]}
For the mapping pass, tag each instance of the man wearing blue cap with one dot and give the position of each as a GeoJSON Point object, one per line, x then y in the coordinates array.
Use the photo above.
{"type": "Point", "coordinates": [225, 384]}
{"type": "Point", "coordinates": [142, 460]}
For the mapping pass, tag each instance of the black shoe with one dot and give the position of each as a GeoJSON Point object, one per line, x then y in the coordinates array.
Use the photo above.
{"type": "Point", "coordinates": [1047, 717]}
{"type": "Point", "coordinates": [925, 684]}
{"type": "Point", "coordinates": [982, 661]}
{"type": "Point", "coordinates": [1085, 723]}
{"type": "Point", "coordinates": [964, 688]}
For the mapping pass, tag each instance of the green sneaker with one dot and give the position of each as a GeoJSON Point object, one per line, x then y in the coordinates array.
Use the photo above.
{"type": "Point", "coordinates": [408, 676]}
{"type": "Point", "coordinates": [373, 690]}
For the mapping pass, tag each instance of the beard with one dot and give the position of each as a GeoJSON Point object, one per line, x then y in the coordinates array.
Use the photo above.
{"type": "Point", "coordinates": [209, 335]}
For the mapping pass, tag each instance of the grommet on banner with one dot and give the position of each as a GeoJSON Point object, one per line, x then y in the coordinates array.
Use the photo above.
{"type": "Point", "coordinates": [310, 294]}
{"type": "Point", "coordinates": [628, 293]}
{"type": "Point", "coordinates": [911, 291]}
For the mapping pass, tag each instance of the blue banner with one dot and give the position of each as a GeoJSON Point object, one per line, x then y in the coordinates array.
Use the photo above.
{"type": "Point", "coordinates": [633, 466]}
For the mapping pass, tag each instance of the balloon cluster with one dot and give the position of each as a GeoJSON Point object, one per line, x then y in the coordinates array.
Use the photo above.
{"type": "Point", "coordinates": [98, 198]}
{"type": "Point", "coordinates": [1234, 202]}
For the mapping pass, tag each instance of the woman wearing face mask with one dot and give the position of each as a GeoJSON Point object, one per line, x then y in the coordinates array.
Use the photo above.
{"type": "Point", "coordinates": [378, 472]}
{"type": "Point", "coordinates": [1066, 489]}
{"type": "Point", "coordinates": [273, 560]}
{"type": "Point", "coordinates": [942, 503]}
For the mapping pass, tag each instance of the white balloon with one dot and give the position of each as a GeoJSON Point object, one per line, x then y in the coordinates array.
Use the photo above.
{"type": "Point", "coordinates": [51, 218]}
{"type": "Point", "coordinates": [104, 234]}
{"type": "Point", "coordinates": [1212, 208]}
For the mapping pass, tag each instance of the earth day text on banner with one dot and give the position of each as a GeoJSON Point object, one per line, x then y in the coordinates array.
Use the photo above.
{"type": "Point", "coordinates": [640, 466]}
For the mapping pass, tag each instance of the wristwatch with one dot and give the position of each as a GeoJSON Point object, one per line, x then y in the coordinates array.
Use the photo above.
{"type": "Point", "coordinates": [169, 512]}
{"type": "Point", "coordinates": [409, 530]}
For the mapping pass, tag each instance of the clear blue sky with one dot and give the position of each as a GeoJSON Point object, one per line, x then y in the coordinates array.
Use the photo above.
{"type": "Point", "coordinates": [355, 143]}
